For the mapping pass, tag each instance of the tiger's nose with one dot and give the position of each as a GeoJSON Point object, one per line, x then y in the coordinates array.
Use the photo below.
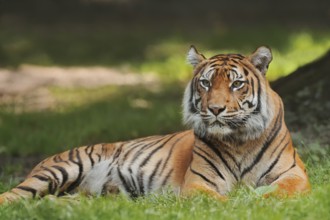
{"type": "Point", "coordinates": [216, 109]}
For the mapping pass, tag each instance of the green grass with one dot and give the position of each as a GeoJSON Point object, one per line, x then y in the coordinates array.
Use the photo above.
{"type": "Point", "coordinates": [84, 117]}
{"type": "Point", "coordinates": [243, 203]}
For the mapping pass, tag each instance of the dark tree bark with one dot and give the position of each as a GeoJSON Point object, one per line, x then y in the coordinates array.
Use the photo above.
{"type": "Point", "coordinates": [306, 97]}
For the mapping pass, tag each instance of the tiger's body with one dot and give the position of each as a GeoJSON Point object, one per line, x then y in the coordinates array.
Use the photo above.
{"type": "Point", "coordinates": [238, 136]}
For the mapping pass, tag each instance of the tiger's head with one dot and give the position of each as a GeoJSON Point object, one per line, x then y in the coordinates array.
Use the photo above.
{"type": "Point", "coordinates": [228, 96]}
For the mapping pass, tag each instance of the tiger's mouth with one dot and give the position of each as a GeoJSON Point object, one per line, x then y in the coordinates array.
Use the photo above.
{"type": "Point", "coordinates": [217, 123]}
{"type": "Point", "coordinates": [232, 123]}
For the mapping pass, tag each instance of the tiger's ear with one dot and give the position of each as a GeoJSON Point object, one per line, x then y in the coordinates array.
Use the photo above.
{"type": "Point", "coordinates": [261, 58]}
{"type": "Point", "coordinates": [194, 57]}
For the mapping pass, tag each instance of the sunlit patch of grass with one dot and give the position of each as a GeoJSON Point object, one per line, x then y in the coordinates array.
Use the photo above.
{"type": "Point", "coordinates": [71, 99]}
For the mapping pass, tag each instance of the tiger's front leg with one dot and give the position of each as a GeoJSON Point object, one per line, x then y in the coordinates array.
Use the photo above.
{"type": "Point", "coordinates": [61, 173]}
{"type": "Point", "coordinates": [290, 181]}
{"type": "Point", "coordinates": [204, 175]}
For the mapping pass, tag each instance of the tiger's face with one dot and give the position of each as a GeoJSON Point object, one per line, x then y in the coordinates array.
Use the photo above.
{"type": "Point", "coordinates": [227, 97]}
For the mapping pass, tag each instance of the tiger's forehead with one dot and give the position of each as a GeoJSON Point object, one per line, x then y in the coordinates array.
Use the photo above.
{"type": "Point", "coordinates": [227, 58]}
{"type": "Point", "coordinates": [226, 65]}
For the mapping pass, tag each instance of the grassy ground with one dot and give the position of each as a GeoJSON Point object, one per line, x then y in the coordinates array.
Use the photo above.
{"type": "Point", "coordinates": [108, 114]}
{"type": "Point", "coordinates": [243, 203]}
{"type": "Point", "coordinates": [83, 117]}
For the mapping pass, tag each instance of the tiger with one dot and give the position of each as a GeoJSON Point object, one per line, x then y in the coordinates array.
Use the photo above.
{"type": "Point", "coordinates": [237, 134]}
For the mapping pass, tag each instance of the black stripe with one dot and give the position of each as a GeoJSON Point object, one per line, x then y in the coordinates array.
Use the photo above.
{"type": "Point", "coordinates": [204, 151]}
{"type": "Point", "coordinates": [219, 154]}
{"type": "Point", "coordinates": [51, 187]}
{"type": "Point", "coordinates": [152, 176]}
{"type": "Point", "coordinates": [167, 159]}
{"type": "Point", "coordinates": [142, 150]}
{"type": "Point", "coordinates": [143, 147]}
{"type": "Point", "coordinates": [191, 90]}
{"type": "Point", "coordinates": [131, 145]}
{"type": "Point", "coordinates": [192, 107]}
{"type": "Point", "coordinates": [127, 187]}
{"type": "Point", "coordinates": [258, 108]}
{"type": "Point", "coordinates": [246, 72]}
{"type": "Point", "coordinates": [53, 174]}
{"type": "Point", "coordinates": [203, 177]}
{"type": "Point", "coordinates": [135, 185]}
{"type": "Point", "coordinates": [292, 166]}
{"type": "Point", "coordinates": [273, 164]}
{"type": "Point", "coordinates": [145, 161]}
{"type": "Point", "coordinates": [98, 157]}
{"type": "Point", "coordinates": [64, 174]}
{"type": "Point", "coordinates": [57, 159]}
{"type": "Point", "coordinates": [118, 151]}
{"type": "Point", "coordinates": [141, 183]}
{"type": "Point", "coordinates": [170, 152]}
{"type": "Point", "coordinates": [211, 164]}
{"type": "Point", "coordinates": [274, 132]}
{"type": "Point", "coordinates": [235, 61]}
{"type": "Point", "coordinates": [233, 158]}
{"type": "Point", "coordinates": [213, 65]}
{"type": "Point", "coordinates": [279, 144]}
{"type": "Point", "coordinates": [252, 86]}
{"type": "Point", "coordinates": [197, 100]}
{"type": "Point", "coordinates": [165, 180]}
{"type": "Point", "coordinates": [41, 178]}
{"type": "Point", "coordinates": [250, 104]}
{"type": "Point", "coordinates": [28, 189]}
{"type": "Point", "coordinates": [237, 56]}
{"type": "Point", "coordinates": [110, 171]}
{"type": "Point", "coordinates": [90, 154]}
{"type": "Point", "coordinates": [75, 183]}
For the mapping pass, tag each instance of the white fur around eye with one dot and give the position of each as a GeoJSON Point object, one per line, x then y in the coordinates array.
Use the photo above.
{"type": "Point", "coordinates": [235, 88]}
{"type": "Point", "coordinates": [206, 84]}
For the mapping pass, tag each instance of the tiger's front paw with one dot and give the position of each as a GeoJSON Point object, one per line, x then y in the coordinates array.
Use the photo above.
{"type": "Point", "coordinates": [195, 189]}
{"type": "Point", "coordinates": [3, 198]}
{"type": "Point", "coordinates": [8, 197]}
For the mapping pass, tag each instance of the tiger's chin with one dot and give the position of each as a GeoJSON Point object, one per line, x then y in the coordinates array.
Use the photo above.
{"type": "Point", "coordinates": [238, 135]}
{"type": "Point", "coordinates": [214, 131]}
{"type": "Point", "coordinates": [217, 128]}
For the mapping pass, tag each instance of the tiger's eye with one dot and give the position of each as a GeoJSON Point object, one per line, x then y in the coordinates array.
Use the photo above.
{"type": "Point", "coordinates": [237, 84]}
{"type": "Point", "coordinates": [205, 83]}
